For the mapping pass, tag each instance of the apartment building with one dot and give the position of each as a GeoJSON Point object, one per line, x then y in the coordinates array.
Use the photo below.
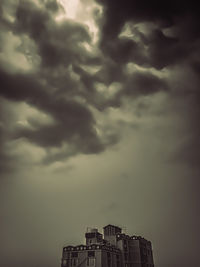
{"type": "Point", "coordinates": [110, 249]}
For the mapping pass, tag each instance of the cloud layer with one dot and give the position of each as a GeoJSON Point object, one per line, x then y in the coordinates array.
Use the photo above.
{"type": "Point", "coordinates": [50, 64]}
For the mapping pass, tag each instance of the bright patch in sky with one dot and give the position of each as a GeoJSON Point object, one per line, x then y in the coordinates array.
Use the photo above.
{"type": "Point", "coordinates": [82, 13]}
{"type": "Point", "coordinates": [71, 7]}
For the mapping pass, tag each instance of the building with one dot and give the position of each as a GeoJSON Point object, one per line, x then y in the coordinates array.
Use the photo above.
{"type": "Point", "coordinates": [112, 249]}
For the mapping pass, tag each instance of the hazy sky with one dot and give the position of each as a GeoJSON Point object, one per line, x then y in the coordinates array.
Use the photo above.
{"type": "Point", "coordinates": [99, 124]}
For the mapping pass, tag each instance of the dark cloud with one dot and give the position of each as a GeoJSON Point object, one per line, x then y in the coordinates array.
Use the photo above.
{"type": "Point", "coordinates": [63, 88]}
{"type": "Point", "coordinates": [73, 121]}
{"type": "Point", "coordinates": [117, 13]}
{"type": "Point", "coordinates": [124, 50]}
{"type": "Point", "coordinates": [144, 84]}
{"type": "Point", "coordinates": [51, 90]}
{"type": "Point", "coordinates": [163, 50]}
{"type": "Point", "coordinates": [58, 43]}
{"type": "Point", "coordinates": [163, 35]}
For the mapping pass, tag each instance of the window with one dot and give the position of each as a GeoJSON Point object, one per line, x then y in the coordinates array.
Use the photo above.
{"type": "Point", "coordinates": [75, 262]}
{"type": "Point", "coordinates": [108, 259]}
{"type": "Point", "coordinates": [125, 256]}
{"type": "Point", "coordinates": [64, 263]}
{"type": "Point", "coordinates": [74, 254]}
{"type": "Point", "coordinates": [91, 254]}
{"type": "Point", "coordinates": [71, 262]}
{"type": "Point", "coordinates": [90, 261]}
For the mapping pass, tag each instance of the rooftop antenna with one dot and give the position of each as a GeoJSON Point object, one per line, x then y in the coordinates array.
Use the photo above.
{"type": "Point", "coordinates": [124, 229]}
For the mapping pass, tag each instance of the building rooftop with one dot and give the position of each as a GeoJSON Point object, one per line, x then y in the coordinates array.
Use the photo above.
{"type": "Point", "coordinates": [111, 225]}
{"type": "Point", "coordinates": [114, 249]}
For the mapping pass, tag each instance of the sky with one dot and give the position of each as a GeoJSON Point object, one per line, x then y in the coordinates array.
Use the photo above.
{"type": "Point", "coordinates": [99, 124]}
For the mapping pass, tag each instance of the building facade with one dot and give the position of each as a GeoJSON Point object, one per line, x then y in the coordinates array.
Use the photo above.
{"type": "Point", "coordinates": [112, 249]}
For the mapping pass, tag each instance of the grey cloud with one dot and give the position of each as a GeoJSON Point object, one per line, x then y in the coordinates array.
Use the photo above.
{"type": "Point", "coordinates": [52, 90]}
{"type": "Point", "coordinates": [8, 161]}
{"type": "Point", "coordinates": [165, 51]}
{"type": "Point", "coordinates": [57, 43]}
{"type": "Point", "coordinates": [73, 121]}
{"type": "Point", "coordinates": [181, 18]}
{"type": "Point", "coordinates": [117, 13]}
{"type": "Point", "coordinates": [172, 42]}
{"type": "Point", "coordinates": [124, 50]}
{"type": "Point", "coordinates": [144, 84]}
{"type": "Point", "coordinates": [48, 91]}
{"type": "Point", "coordinates": [136, 85]}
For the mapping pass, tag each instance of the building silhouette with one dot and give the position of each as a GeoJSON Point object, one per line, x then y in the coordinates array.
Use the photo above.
{"type": "Point", "coordinates": [112, 249]}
